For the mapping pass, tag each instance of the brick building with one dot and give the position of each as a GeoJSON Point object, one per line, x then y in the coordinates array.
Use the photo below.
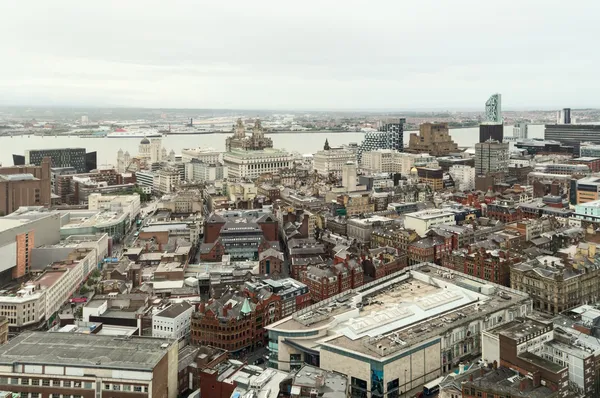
{"type": "Point", "coordinates": [235, 321]}
{"type": "Point", "coordinates": [328, 280]}
{"type": "Point", "coordinates": [384, 261]}
{"type": "Point", "coordinates": [489, 265]}
{"type": "Point", "coordinates": [523, 345]}
{"type": "Point", "coordinates": [270, 261]}
{"type": "Point", "coordinates": [430, 249]}
{"type": "Point", "coordinates": [24, 186]}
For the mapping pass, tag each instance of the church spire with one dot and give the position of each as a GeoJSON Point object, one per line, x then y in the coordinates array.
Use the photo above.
{"type": "Point", "coordinates": [326, 146]}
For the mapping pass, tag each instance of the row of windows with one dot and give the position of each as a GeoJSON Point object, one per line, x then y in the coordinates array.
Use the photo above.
{"type": "Point", "coordinates": [125, 387]}
{"type": "Point", "coordinates": [24, 381]}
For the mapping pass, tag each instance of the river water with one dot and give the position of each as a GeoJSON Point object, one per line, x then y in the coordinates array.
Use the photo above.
{"type": "Point", "coordinates": [297, 142]}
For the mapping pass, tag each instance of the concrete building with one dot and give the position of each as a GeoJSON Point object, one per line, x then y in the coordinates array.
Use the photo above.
{"type": "Point", "coordinates": [20, 233]}
{"type": "Point", "coordinates": [183, 202]}
{"type": "Point", "coordinates": [3, 330]}
{"type": "Point", "coordinates": [128, 204]}
{"type": "Point", "coordinates": [166, 180]}
{"type": "Point", "coordinates": [40, 298]}
{"type": "Point", "coordinates": [463, 176]}
{"type": "Point", "coordinates": [198, 171]}
{"type": "Point", "coordinates": [24, 186]}
{"type": "Point", "coordinates": [520, 131]}
{"type": "Point", "coordinates": [361, 229]}
{"type": "Point", "coordinates": [251, 164]}
{"type": "Point", "coordinates": [349, 176]}
{"type": "Point", "coordinates": [396, 333]}
{"type": "Point", "coordinates": [405, 162]}
{"type": "Point", "coordinates": [202, 155]}
{"type": "Point", "coordinates": [422, 221]}
{"type": "Point", "coordinates": [379, 161]}
{"type": "Point", "coordinates": [89, 222]}
{"type": "Point", "coordinates": [491, 157]}
{"type": "Point", "coordinates": [89, 365]}
{"type": "Point", "coordinates": [434, 139]}
{"type": "Point", "coordinates": [173, 322]}
{"type": "Point", "coordinates": [332, 161]}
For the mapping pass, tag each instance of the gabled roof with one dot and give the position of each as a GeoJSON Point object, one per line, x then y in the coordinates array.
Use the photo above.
{"type": "Point", "coordinates": [270, 252]}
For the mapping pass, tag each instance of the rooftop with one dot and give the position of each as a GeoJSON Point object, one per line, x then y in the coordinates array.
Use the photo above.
{"type": "Point", "coordinates": [430, 213]}
{"type": "Point", "coordinates": [396, 312]}
{"type": "Point", "coordinates": [84, 350]}
{"type": "Point", "coordinates": [174, 310]}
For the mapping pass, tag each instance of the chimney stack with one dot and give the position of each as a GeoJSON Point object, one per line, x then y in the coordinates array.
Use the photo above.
{"type": "Point", "coordinates": [225, 311]}
{"type": "Point", "coordinates": [523, 385]}
{"type": "Point", "coordinates": [537, 379]}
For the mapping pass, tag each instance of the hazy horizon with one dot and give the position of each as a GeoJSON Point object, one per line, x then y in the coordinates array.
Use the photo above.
{"type": "Point", "coordinates": [381, 56]}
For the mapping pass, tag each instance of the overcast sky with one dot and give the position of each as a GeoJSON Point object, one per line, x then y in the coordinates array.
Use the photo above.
{"type": "Point", "coordinates": [253, 54]}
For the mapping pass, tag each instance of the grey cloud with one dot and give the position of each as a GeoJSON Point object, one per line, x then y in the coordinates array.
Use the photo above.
{"type": "Point", "coordinates": [310, 54]}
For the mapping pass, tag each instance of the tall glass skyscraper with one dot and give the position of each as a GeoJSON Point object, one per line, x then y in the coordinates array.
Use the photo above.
{"type": "Point", "coordinates": [389, 136]}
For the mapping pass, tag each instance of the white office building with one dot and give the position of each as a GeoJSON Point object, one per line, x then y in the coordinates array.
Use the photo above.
{"type": "Point", "coordinates": [252, 164]}
{"type": "Point", "coordinates": [199, 171]}
{"type": "Point", "coordinates": [173, 322]}
{"type": "Point", "coordinates": [422, 221]}
{"type": "Point", "coordinates": [145, 180]}
{"type": "Point", "coordinates": [204, 155]}
{"type": "Point", "coordinates": [332, 160]}
{"type": "Point", "coordinates": [390, 161]}
{"type": "Point", "coordinates": [463, 176]}
{"type": "Point", "coordinates": [129, 204]}
{"type": "Point", "coordinates": [165, 180]}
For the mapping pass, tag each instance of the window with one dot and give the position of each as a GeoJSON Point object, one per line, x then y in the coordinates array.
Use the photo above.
{"type": "Point", "coordinates": [67, 383]}
{"type": "Point", "coordinates": [126, 387]}
{"type": "Point", "coordinates": [107, 386]}
{"type": "Point", "coordinates": [25, 382]}
{"type": "Point", "coordinates": [55, 395]}
{"type": "Point", "coordinates": [87, 384]}
{"type": "Point", "coordinates": [56, 383]}
{"type": "Point", "coordinates": [46, 382]}
{"type": "Point", "coordinates": [116, 387]}
{"type": "Point", "coordinates": [3, 380]}
{"type": "Point", "coordinates": [137, 388]}
{"type": "Point", "coordinates": [35, 395]}
{"type": "Point", "coordinates": [14, 381]}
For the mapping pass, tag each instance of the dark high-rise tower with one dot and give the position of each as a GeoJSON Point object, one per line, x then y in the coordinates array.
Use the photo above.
{"type": "Point", "coordinates": [567, 116]}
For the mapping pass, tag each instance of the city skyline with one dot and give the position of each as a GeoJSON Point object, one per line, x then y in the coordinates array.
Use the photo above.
{"type": "Point", "coordinates": [271, 56]}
